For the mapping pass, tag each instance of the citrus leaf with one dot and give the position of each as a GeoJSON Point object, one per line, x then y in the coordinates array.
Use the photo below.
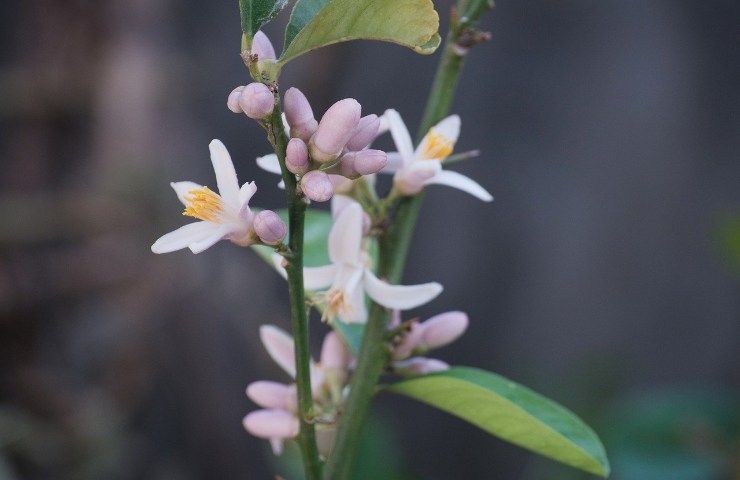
{"type": "Point", "coordinates": [255, 13]}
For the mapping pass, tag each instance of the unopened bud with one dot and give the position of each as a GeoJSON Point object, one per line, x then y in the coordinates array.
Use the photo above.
{"type": "Point", "coordinates": [334, 354]}
{"type": "Point", "coordinates": [268, 394]}
{"type": "Point", "coordinates": [272, 424]}
{"type": "Point", "coordinates": [364, 162]}
{"type": "Point", "coordinates": [269, 227]}
{"type": "Point", "coordinates": [299, 114]}
{"type": "Point", "coordinates": [317, 186]}
{"type": "Point", "coordinates": [335, 129]}
{"type": "Point", "coordinates": [443, 329]}
{"type": "Point", "coordinates": [233, 101]}
{"type": "Point", "coordinates": [365, 133]}
{"type": "Point", "coordinates": [409, 341]}
{"type": "Point", "coordinates": [341, 184]}
{"type": "Point", "coordinates": [419, 366]}
{"type": "Point", "coordinates": [257, 100]}
{"type": "Point", "coordinates": [296, 156]}
{"type": "Point", "coordinates": [262, 47]}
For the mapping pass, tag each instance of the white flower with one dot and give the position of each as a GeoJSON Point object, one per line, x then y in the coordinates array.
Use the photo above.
{"type": "Point", "coordinates": [349, 275]}
{"type": "Point", "coordinates": [415, 168]}
{"type": "Point", "coordinates": [222, 215]}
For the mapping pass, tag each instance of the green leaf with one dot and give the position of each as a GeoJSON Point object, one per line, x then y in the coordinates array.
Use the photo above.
{"type": "Point", "coordinates": [255, 13]}
{"type": "Point", "coordinates": [315, 235]}
{"type": "Point", "coordinates": [317, 23]}
{"type": "Point", "coordinates": [511, 412]}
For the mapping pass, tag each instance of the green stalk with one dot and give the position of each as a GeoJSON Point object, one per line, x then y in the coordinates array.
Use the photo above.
{"type": "Point", "coordinates": [298, 310]}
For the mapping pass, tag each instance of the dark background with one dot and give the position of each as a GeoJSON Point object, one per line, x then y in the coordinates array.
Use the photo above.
{"type": "Point", "coordinates": [605, 275]}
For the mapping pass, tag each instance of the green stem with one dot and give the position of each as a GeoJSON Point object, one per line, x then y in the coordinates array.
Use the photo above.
{"type": "Point", "coordinates": [298, 310]}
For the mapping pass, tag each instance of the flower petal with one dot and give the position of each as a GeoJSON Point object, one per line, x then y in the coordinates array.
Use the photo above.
{"type": "Point", "coordinates": [246, 192]}
{"type": "Point", "coordinates": [448, 128]}
{"type": "Point", "coordinates": [345, 237]}
{"type": "Point", "coordinates": [184, 236]}
{"type": "Point", "coordinates": [400, 133]}
{"type": "Point", "coordinates": [269, 163]}
{"type": "Point", "coordinates": [182, 189]}
{"type": "Point", "coordinates": [402, 297]}
{"type": "Point", "coordinates": [356, 310]}
{"type": "Point", "coordinates": [394, 163]}
{"type": "Point", "coordinates": [461, 182]}
{"type": "Point", "coordinates": [279, 345]}
{"type": "Point", "coordinates": [209, 241]}
{"type": "Point", "coordinates": [317, 278]}
{"type": "Point", "coordinates": [228, 185]}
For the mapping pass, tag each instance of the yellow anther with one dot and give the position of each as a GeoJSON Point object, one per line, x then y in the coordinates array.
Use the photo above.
{"type": "Point", "coordinates": [436, 146]}
{"type": "Point", "coordinates": [334, 301]}
{"type": "Point", "coordinates": [204, 204]}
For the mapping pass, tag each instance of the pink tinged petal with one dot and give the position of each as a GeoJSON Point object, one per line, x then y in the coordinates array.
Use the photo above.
{"type": "Point", "coordinates": [228, 185]}
{"type": "Point", "coordinates": [317, 278]}
{"type": "Point", "coordinates": [296, 156]}
{"type": "Point", "coordinates": [345, 237]}
{"type": "Point", "coordinates": [279, 345]}
{"type": "Point", "coordinates": [269, 227]}
{"type": "Point", "coordinates": [460, 182]}
{"type": "Point", "coordinates": [232, 103]}
{"type": "Point", "coordinates": [412, 177]}
{"type": "Point", "coordinates": [257, 100]}
{"type": "Point", "coordinates": [443, 329]}
{"type": "Point", "coordinates": [246, 192]}
{"type": "Point", "coordinates": [335, 129]}
{"type": "Point", "coordinates": [317, 186]}
{"type": "Point", "coordinates": [206, 243]}
{"type": "Point", "coordinates": [394, 162]}
{"type": "Point", "coordinates": [183, 189]}
{"type": "Point", "coordinates": [277, 446]}
{"type": "Point", "coordinates": [402, 297]}
{"type": "Point", "coordinates": [334, 354]}
{"type": "Point", "coordinates": [268, 394]}
{"type": "Point", "coordinates": [400, 133]}
{"type": "Point", "coordinates": [269, 163]}
{"type": "Point", "coordinates": [299, 114]}
{"type": "Point", "coordinates": [184, 236]}
{"type": "Point", "coordinates": [262, 47]}
{"type": "Point", "coordinates": [272, 423]}
{"type": "Point", "coordinates": [419, 366]}
{"type": "Point", "coordinates": [365, 133]}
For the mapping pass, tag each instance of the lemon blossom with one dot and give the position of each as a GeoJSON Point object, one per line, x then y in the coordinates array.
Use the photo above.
{"type": "Point", "coordinates": [223, 215]}
{"type": "Point", "coordinates": [413, 169]}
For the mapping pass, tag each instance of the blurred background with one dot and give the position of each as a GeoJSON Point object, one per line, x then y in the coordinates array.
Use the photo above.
{"type": "Point", "coordinates": [605, 275]}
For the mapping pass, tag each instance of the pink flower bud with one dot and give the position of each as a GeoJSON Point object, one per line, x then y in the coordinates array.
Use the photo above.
{"type": "Point", "coordinates": [341, 184]}
{"type": "Point", "coordinates": [419, 366]}
{"type": "Point", "coordinates": [269, 227]}
{"type": "Point", "coordinates": [335, 129]}
{"type": "Point", "coordinates": [365, 133]}
{"type": "Point", "coordinates": [443, 329]}
{"type": "Point", "coordinates": [334, 354]}
{"type": "Point", "coordinates": [409, 342]}
{"type": "Point", "coordinates": [299, 114]}
{"type": "Point", "coordinates": [257, 100]}
{"type": "Point", "coordinates": [262, 47]}
{"type": "Point", "coordinates": [273, 395]}
{"type": "Point", "coordinates": [233, 101]}
{"type": "Point", "coordinates": [296, 156]}
{"type": "Point", "coordinates": [317, 186]}
{"type": "Point", "coordinates": [272, 424]}
{"type": "Point", "coordinates": [364, 162]}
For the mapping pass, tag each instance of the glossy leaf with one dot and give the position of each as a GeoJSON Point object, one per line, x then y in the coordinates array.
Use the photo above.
{"type": "Point", "coordinates": [511, 412]}
{"type": "Point", "coordinates": [255, 13]}
{"type": "Point", "coordinates": [317, 23]}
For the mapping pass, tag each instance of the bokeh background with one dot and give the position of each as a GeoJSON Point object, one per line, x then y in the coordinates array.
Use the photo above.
{"type": "Point", "coordinates": [605, 275]}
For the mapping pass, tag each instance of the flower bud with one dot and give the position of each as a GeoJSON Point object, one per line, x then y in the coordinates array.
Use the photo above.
{"type": "Point", "coordinates": [409, 341]}
{"type": "Point", "coordinates": [443, 329]}
{"type": "Point", "coordinates": [257, 100]}
{"type": "Point", "coordinates": [262, 47]}
{"type": "Point", "coordinates": [233, 101]}
{"type": "Point", "coordinates": [341, 184]}
{"type": "Point", "coordinates": [365, 133]}
{"type": "Point", "coordinates": [335, 129]}
{"type": "Point", "coordinates": [269, 227]}
{"type": "Point", "coordinates": [271, 423]}
{"type": "Point", "coordinates": [268, 394]}
{"type": "Point", "coordinates": [419, 366]}
{"type": "Point", "coordinates": [364, 162]}
{"type": "Point", "coordinates": [299, 114]}
{"type": "Point", "coordinates": [296, 156]}
{"type": "Point", "coordinates": [334, 355]}
{"type": "Point", "coordinates": [317, 186]}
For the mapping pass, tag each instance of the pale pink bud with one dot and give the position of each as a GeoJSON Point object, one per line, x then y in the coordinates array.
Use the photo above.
{"type": "Point", "coordinates": [443, 329]}
{"type": "Point", "coordinates": [419, 366]}
{"type": "Point", "coordinates": [335, 129]}
{"type": "Point", "coordinates": [409, 342]}
{"type": "Point", "coordinates": [317, 186]}
{"type": "Point", "coordinates": [341, 184]}
{"type": "Point", "coordinates": [296, 156]}
{"type": "Point", "coordinates": [299, 114]}
{"type": "Point", "coordinates": [262, 47]}
{"type": "Point", "coordinates": [268, 394]}
{"type": "Point", "coordinates": [365, 133]}
{"type": "Point", "coordinates": [269, 227]}
{"type": "Point", "coordinates": [334, 354]}
{"type": "Point", "coordinates": [272, 424]}
{"type": "Point", "coordinates": [364, 162]}
{"type": "Point", "coordinates": [257, 100]}
{"type": "Point", "coordinates": [233, 101]}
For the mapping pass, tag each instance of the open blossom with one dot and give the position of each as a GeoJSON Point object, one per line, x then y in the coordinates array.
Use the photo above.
{"type": "Point", "coordinates": [413, 169]}
{"type": "Point", "coordinates": [224, 215]}
{"type": "Point", "coordinates": [349, 276]}
{"type": "Point", "coordinates": [278, 420]}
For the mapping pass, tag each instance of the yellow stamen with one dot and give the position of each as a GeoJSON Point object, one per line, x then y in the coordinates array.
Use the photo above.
{"type": "Point", "coordinates": [204, 204]}
{"type": "Point", "coordinates": [334, 304]}
{"type": "Point", "coordinates": [437, 146]}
